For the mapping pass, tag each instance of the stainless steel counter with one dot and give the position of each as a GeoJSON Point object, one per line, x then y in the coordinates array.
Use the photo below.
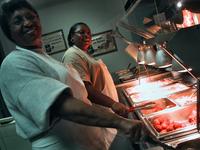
{"type": "Point", "coordinates": [173, 121]}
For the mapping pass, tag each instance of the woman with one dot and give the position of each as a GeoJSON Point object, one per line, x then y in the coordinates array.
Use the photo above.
{"type": "Point", "coordinates": [47, 100]}
{"type": "Point", "coordinates": [97, 79]}
{"type": "Point", "coordinates": [95, 75]}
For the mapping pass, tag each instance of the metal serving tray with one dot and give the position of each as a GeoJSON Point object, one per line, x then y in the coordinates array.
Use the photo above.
{"type": "Point", "coordinates": [185, 97]}
{"type": "Point", "coordinates": [145, 87]}
{"type": "Point", "coordinates": [162, 104]}
{"type": "Point", "coordinates": [158, 92]}
{"type": "Point", "coordinates": [172, 121]}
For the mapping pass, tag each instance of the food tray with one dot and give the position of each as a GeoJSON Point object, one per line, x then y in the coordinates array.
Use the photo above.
{"type": "Point", "coordinates": [184, 98]}
{"type": "Point", "coordinates": [174, 121]}
{"type": "Point", "coordinates": [146, 86]}
{"type": "Point", "coordinates": [157, 93]}
{"type": "Point", "coordinates": [161, 105]}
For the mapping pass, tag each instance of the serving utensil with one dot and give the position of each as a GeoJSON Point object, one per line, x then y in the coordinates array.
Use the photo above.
{"type": "Point", "coordinates": [148, 105]}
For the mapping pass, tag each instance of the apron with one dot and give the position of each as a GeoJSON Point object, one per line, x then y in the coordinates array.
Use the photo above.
{"type": "Point", "coordinates": [110, 91]}
{"type": "Point", "coordinates": [109, 87]}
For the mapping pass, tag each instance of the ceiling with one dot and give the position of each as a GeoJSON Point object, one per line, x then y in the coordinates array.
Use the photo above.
{"type": "Point", "coordinates": [39, 3]}
{"type": "Point", "coordinates": [43, 3]}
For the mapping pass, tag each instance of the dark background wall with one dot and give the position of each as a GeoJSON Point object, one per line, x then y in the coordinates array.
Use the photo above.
{"type": "Point", "coordinates": [3, 110]}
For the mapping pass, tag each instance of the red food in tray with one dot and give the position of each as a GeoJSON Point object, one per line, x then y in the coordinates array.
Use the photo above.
{"type": "Point", "coordinates": [193, 117]}
{"type": "Point", "coordinates": [164, 125]}
{"type": "Point", "coordinates": [160, 104]}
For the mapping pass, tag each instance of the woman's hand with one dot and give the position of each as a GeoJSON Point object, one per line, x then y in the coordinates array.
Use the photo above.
{"type": "Point", "coordinates": [120, 109]}
{"type": "Point", "coordinates": [137, 132]}
{"type": "Point", "coordinates": [133, 129]}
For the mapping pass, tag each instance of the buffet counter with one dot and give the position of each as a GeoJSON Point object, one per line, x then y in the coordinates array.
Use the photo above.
{"type": "Point", "coordinates": [173, 119]}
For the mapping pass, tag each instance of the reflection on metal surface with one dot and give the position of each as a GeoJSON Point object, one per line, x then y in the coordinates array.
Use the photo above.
{"type": "Point", "coordinates": [185, 97]}
{"type": "Point", "coordinates": [157, 92]}
{"type": "Point", "coordinates": [163, 60]}
{"type": "Point", "coordinates": [147, 85]}
{"type": "Point", "coordinates": [150, 56]}
{"type": "Point", "coordinates": [132, 49]}
{"type": "Point", "coordinates": [141, 56]}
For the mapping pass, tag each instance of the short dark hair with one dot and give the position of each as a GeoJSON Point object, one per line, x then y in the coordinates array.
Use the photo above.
{"type": "Point", "coordinates": [8, 7]}
{"type": "Point", "coordinates": [72, 31]}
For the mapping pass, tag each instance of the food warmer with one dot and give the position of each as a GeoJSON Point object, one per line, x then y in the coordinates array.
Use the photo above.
{"type": "Point", "coordinates": [166, 73]}
{"type": "Point", "coordinates": [173, 119]}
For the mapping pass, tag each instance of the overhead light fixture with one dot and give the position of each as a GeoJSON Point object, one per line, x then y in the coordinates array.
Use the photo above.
{"type": "Point", "coordinates": [163, 60]}
{"type": "Point", "coordinates": [141, 56]}
{"type": "Point", "coordinates": [132, 50]}
{"type": "Point", "coordinates": [150, 56]}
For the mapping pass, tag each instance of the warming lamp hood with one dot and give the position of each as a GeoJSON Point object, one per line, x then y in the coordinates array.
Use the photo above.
{"type": "Point", "coordinates": [186, 45]}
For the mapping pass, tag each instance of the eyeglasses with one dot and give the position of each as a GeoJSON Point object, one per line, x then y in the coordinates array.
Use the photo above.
{"type": "Point", "coordinates": [83, 33]}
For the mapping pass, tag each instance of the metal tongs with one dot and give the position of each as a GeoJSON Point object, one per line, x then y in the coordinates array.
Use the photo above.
{"type": "Point", "coordinates": [148, 105]}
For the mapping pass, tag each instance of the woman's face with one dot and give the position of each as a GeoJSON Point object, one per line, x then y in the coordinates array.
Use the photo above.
{"type": "Point", "coordinates": [82, 37]}
{"type": "Point", "coordinates": [25, 28]}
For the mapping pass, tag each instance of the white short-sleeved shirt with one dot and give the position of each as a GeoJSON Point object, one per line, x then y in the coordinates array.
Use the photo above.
{"type": "Point", "coordinates": [30, 83]}
{"type": "Point", "coordinates": [91, 70]}
{"type": "Point", "coordinates": [88, 68]}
